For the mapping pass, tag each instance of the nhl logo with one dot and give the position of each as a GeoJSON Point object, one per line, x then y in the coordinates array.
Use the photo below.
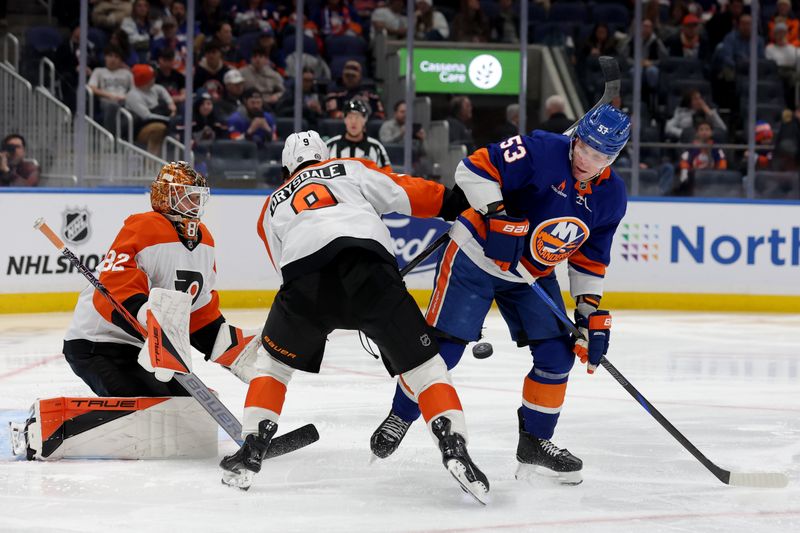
{"type": "Point", "coordinates": [425, 339]}
{"type": "Point", "coordinates": [75, 227]}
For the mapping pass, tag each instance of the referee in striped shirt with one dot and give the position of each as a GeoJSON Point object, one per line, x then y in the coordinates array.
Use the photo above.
{"type": "Point", "coordinates": [355, 143]}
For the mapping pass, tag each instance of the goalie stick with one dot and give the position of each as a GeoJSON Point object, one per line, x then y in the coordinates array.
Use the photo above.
{"type": "Point", "coordinates": [293, 440]}
{"type": "Point", "coordinates": [750, 479]}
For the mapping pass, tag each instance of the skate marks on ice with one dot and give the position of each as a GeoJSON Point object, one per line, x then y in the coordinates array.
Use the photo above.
{"type": "Point", "coordinates": [636, 477]}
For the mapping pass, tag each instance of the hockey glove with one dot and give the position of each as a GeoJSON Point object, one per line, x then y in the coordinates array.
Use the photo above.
{"type": "Point", "coordinates": [505, 240]}
{"type": "Point", "coordinates": [597, 329]}
{"type": "Point", "coordinates": [237, 350]}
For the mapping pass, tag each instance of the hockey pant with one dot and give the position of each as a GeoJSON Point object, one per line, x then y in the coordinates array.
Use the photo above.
{"type": "Point", "coordinates": [429, 384]}
{"type": "Point", "coordinates": [462, 297]}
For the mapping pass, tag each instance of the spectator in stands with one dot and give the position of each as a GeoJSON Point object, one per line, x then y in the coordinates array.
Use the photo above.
{"type": "Point", "coordinates": [652, 51]}
{"type": "Point", "coordinates": [260, 75]}
{"type": "Point", "coordinates": [689, 41]}
{"type": "Point", "coordinates": [67, 63]}
{"type": "Point", "coordinates": [471, 24]}
{"type": "Point", "coordinates": [179, 12]}
{"type": "Point", "coordinates": [139, 29]}
{"type": "Point", "coordinates": [510, 127]}
{"type": "Point", "coordinates": [735, 48]}
{"type": "Point", "coordinates": [231, 55]}
{"type": "Point", "coordinates": [787, 155]}
{"type": "Point", "coordinates": [431, 24]}
{"type": "Point", "coordinates": [232, 98]}
{"type": "Point", "coordinates": [160, 9]}
{"type": "Point", "coordinates": [783, 14]}
{"type": "Point", "coordinates": [169, 78]}
{"type": "Point", "coordinates": [108, 14]}
{"type": "Point", "coordinates": [209, 16]}
{"type": "Point", "coordinates": [764, 137]}
{"type": "Point", "coordinates": [110, 84]}
{"type": "Point", "coordinates": [393, 130]}
{"type": "Point", "coordinates": [599, 43]}
{"type": "Point", "coordinates": [784, 55]}
{"type": "Point", "coordinates": [338, 18]}
{"type": "Point", "coordinates": [692, 104]}
{"type": "Point", "coordinates": [211, 66]}
{"type": "Point", "coordinates": [251, 16]}
{"type": "Point", "coordinates": [119, 38]}
{"type": "Point", "coordinates": [391, 18]}
{"type": "Point", "coordinates": [459, 120]}
{"type": "Point", "coordinates": [703, 156]}
{"type": "Point", "coordinates": [15, 169]}
{"type": "Point", "coordinates": [355, 143]}
{"type": "Point", "coordinates": [352, 88]}
{"type": "Point", "coordinates": [505, 25]}
{"type": "Point", "coordinates": [288, 20]}
{"type": "Point", "coordinates": [555, 110]}
{"type": "Point", "coordinates": [312, 100]}
{"type": "Point", "coordinates": [252, 122]}
{"type": "Point", "coordinates": [315, 63]}
{"type": "Point", "coordinates": [723, 22]}
{"type": "Point", "coordinates": [152, 107]}
{"type": "Point", "coordinates": [207, 125]}
{"type": "Point", "coordinates": [170, 40]}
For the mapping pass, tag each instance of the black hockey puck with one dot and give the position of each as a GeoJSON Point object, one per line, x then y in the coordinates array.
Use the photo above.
{"type": "Point", "coordinates": [482, 350]}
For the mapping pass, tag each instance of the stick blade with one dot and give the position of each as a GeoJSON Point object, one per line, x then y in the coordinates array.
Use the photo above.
{"type": "Point", "coordinates": [766, 480]}
{"type": "Point", "coordinates": [293, 440]}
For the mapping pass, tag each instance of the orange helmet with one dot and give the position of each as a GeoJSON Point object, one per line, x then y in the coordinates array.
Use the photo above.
{"type": "Point", "coordinates": [179, 190]}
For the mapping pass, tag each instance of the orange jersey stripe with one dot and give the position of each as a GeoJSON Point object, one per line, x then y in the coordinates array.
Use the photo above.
{"type": "Point", "coordinates": [437, 399]}
{"type": "Point", "coordinates": [477, 221]}
{"type": "Point", "coordinates": [544, 394]}
{"type": "Point", "coordinates": [595, 267]}
{"type": "Point", "coordinates": [266, 392]}
{"type": "Point", "coordinates": [441, 284]}
{"type": "Point", "coordinates": [480, 158]}
{"type": "Point", "coordinates": [262, 233]}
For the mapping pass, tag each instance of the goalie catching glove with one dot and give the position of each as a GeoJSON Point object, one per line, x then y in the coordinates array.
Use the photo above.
{"type": "Point", "coordinates": [595, 326]}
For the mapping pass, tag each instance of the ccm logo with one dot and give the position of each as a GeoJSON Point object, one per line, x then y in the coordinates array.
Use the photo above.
{"type": "Point", "coordinates": [515, 228]}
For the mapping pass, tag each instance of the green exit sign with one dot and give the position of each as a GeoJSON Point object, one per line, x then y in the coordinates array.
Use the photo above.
{"type": "Point", "coordinates": [463, 71]}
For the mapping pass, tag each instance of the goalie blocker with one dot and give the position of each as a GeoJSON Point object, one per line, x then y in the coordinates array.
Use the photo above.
{"type": "Point", "coordinates": [115, 428]}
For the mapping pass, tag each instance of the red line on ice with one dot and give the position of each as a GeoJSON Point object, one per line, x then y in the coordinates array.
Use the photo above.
{"type": "Point", "coordinates": [31, 366]}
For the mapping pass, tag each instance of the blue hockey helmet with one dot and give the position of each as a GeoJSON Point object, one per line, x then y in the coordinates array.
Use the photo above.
{"type": "Point", "coordinates": [606, 129]}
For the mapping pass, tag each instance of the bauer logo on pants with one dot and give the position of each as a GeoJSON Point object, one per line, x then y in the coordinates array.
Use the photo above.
{"type": "Point", "coordinates": [75, 227]}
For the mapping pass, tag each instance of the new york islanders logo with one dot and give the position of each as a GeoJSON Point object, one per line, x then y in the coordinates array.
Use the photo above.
{"type": "Point", "coordinates": [557, 238]}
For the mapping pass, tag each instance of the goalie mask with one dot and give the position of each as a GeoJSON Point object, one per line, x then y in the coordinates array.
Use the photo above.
{"type": "Point", "coordinates": [180, 193]}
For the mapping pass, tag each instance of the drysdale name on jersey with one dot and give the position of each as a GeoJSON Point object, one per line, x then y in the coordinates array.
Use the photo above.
{"type": "Point", "coordinates": [285, 192]}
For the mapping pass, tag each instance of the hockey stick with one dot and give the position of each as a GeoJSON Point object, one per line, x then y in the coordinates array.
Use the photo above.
{"type": "Point", "coordinates": [424, 254]}
{"type": "Point", "coordinates": [753, 479]}
{"type": "Point", "coordinates": [285, 443]}
{"type": "Point", "coordinates": [611, 89]}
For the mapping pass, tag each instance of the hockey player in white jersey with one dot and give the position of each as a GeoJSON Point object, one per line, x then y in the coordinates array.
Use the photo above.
{"type": "Point", "coordinates": [323, 232]}
{"type": "Point", "coordinates": [171, 251]}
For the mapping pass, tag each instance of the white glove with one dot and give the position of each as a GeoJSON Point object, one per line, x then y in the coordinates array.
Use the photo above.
{"type": "Point", "coordinates": [167, 349]}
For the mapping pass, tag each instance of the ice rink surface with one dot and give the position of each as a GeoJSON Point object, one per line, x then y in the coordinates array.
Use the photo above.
{"type": "Point", "coordinates": [729, 382]}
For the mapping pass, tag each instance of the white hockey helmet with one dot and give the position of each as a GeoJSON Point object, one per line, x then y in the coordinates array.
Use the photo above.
{"type": "Point", "coordinates": [301, 147]}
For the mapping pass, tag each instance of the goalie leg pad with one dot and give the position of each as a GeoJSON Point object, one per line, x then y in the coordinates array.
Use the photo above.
{"type": "Point", "coordinates": [116, 428]}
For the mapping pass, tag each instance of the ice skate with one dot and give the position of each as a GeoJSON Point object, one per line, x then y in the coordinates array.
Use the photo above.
{"type": "Point", "coordinates": [239, 468]}
{"type": "Point", "coordinates": [534, 453]}
{"type": "Point", "coordinates": [386, 439]}
{"type": "Point", "coordinates": [456, 459]}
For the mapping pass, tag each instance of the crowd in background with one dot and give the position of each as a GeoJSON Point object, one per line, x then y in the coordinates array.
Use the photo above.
{"type": "Point", "coordinates": [244, 61]}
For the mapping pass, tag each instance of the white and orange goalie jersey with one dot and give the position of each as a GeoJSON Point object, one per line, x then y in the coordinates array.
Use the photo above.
{"type": "Point", "coordinates": [337, 204]}
{"type": "Point", "coordinates": [148, 253]}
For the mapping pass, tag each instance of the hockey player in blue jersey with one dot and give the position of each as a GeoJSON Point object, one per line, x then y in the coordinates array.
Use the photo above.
{"type": "Point", "coordinates": [537, 200]}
